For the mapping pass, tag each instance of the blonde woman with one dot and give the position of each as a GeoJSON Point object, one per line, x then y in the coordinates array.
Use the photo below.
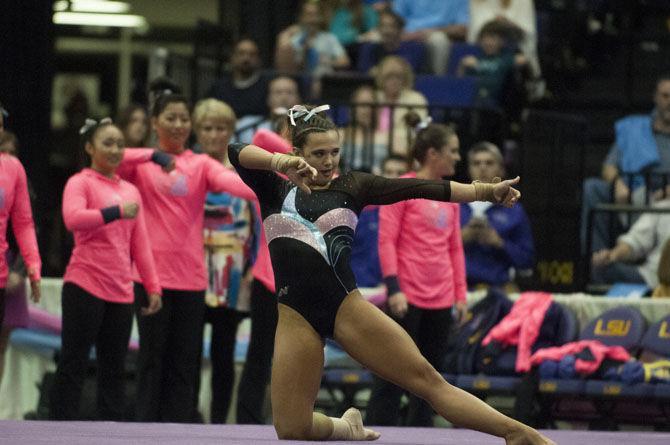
{"type": "Point", "coordinates": [395, 82]}
{"type": "Point", "coordinates": [230, 234]}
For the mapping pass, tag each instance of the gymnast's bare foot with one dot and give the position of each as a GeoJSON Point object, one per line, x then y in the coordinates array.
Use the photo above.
{"type": "Point", "coordinates": [527, 436]}
{"type": "Point", "coordinates": [358, 432]}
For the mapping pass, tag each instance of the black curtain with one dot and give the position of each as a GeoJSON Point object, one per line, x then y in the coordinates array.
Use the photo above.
{"type": "Point", "coordinates": [26, 72]}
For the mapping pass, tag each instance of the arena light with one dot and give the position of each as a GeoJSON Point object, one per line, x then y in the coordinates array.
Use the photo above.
{"type": "Point", "coordinates": [99, 6]}
{"type": "Point", "coordinates": [61, 5]}
{"type": "Point", "coordinates": [94, 19]}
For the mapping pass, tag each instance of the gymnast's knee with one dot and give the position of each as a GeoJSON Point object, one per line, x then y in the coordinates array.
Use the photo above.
{"type": "Point", "coordinates": [293, 430]}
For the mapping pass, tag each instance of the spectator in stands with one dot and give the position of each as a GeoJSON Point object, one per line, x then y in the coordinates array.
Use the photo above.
{"type": "Point", "coordinates": [395, 81]}
{"type": "Point", "coordinates": [496, 239]}
{"type": "Point", "coordinates": [389, 43]}
{"type": "Point", "coordinates": [642, 243]}
{"type": "Point", "coordinates": [351, 22]}
{"type": "Point", "coordinates": [245, 86]}
{"type": "Point", "coordinates": [517, 17]}
{"type": "Point", "coordinates": [364, 249]}
{"type": "Point", "coordinates": [134, 123]}
{"type": "Point", "coordinates": [283, 93]}
{"type": "Point", "coordinates": [435, 23]}
{"type": "Point", "coordinates": [494, 68]}
{"type": "Point", "coordinates": [642, 146]}
{"type": "Point", "coordinates": [306, 46]}
{"type": "Point", "coordinates": [366, 147]}
{"type": "Point", "coordinates": [663, 288]}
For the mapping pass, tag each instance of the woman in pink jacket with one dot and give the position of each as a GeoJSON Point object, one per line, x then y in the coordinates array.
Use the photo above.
{"type": "Point", "coordinates": [171, 341]}
{"type": "Point", "coordinates": [15, 207]}
{"type": "Point", "coordinates": [423, 266]}
{"type": "Point", "coordinates": [106, 216]}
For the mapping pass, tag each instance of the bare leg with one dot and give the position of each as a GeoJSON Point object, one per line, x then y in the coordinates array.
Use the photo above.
{"type": "Point", "coordinates": [296, 378]}
{"type": "Point", "coordinates": [380, 344]}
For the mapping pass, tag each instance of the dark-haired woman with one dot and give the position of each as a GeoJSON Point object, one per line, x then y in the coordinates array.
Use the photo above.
{"type": "Point", "coordinates": [309, 222]}
{"type": "Point", "coordinates": [15, 207]}
{"type": "Point", "coordinates": [423, 266]}
{"type": "Point", "coordinates": [171, 340]}
{"type": "Point", "coordinates": [106, 215]}
{"type": "Point", "coordinates": [134, 123]}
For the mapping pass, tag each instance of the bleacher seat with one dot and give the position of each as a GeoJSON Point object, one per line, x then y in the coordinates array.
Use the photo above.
{"type": "Point", "coordinates": [447, 91]}
{"type": "Point", "coordinates": [621, 326]}
{"type": "Point", "coordinates": [657, 338]}
{"type": "Point", "coordinates": [458, 51]}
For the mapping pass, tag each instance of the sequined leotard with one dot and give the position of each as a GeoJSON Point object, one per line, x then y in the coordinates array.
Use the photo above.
{"type": "Point", "coordinates": [310, 235]}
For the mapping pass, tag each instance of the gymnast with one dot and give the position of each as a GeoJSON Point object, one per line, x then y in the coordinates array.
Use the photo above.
{"type": "Point", "coordinates": [309, 221]}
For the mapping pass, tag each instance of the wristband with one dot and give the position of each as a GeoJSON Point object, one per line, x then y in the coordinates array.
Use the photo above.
{"type": "Point", "coordinates": [392, 285]}
{"type": "Point", "coordinates": [111, 213]}
{"type": "Point", "coordinates": [160, 158]}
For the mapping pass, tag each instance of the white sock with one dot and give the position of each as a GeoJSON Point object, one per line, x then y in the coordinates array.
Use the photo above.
{"type": "Point", "coordinates": [350, 427]}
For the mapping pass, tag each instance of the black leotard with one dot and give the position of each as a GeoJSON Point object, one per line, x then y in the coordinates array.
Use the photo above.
{"type": "Point", "coordinates": [310, 235]}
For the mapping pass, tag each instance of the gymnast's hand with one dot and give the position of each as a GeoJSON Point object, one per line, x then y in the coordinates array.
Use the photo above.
{"type": "Point", "coordinates": [504, 193]}
{"type": "Point", "coordinates": [296, 169]}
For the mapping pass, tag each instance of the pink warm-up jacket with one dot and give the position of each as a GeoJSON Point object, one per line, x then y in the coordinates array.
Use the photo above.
{"type": "Point", "coordinates": [102, 254]}
{"type": "Point", "coordinates": [599, 351]}
{"type": "Point", "coordinates": [174, 210]}
{"type": "Point", "coordinates": [15, 205]}
{"type": "Point", "coordinates": [420, 243]}
{"type": "Point", "coordinates": [521, 326]}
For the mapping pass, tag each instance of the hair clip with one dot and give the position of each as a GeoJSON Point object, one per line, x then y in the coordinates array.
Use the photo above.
{"type": "Point", "coordinates": [297, 111]}
{"type": "Point", "coordinates": [90, 123]}
{"type": "Point", "coordinates": [423, 124]}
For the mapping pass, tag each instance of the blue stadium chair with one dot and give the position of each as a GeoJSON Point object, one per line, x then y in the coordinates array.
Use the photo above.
{"type": "Point", "coordinates": [617, 327]}
{"type": "Point", "coordinates": [458, 51]}
{"type": "Point", "coordinates": [604, 388]}
{"type": "Point", "coordinates": [662, 391]}
{"type": "Point", "coordinates": [347, 376]}
{"type": "Point", "coordinates": [447, 91]}
{"type": "Point", "coordinates": [568, 327]}
{"type": "Point", "coordinates": [621, 326]}
{"type": "Point", "coordinates": [487, 383]}
{"type": "Point", "coordinates": [657, 338]}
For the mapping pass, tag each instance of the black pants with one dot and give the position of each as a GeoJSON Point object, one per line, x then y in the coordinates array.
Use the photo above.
{"type": "Point", "coordinates": [430, 331]}
{"type": "Point", "coordinates": [89, 321]}
{"type": "Point", "coordinates": [169, 358]}
{"type": "Point", "coordinates": [256, 373]}
{"type": "Point", "coordinates": [2, 305]}
{"type": "Point", "coordinates": [224, 323]}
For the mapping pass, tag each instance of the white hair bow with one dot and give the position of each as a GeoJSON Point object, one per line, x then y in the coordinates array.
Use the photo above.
{"type": "Point", "coordinates": [4, 112]}
{"type": "Point", "coordinates": [297, 111]}
{"type": "Point", "coordinates": [90, 123]}
{"type": "Point", "coordinates": [424, 123]}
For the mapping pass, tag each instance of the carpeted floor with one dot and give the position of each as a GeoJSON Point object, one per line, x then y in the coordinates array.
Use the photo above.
{"type": "Point", "coordinates": [88, 433]}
